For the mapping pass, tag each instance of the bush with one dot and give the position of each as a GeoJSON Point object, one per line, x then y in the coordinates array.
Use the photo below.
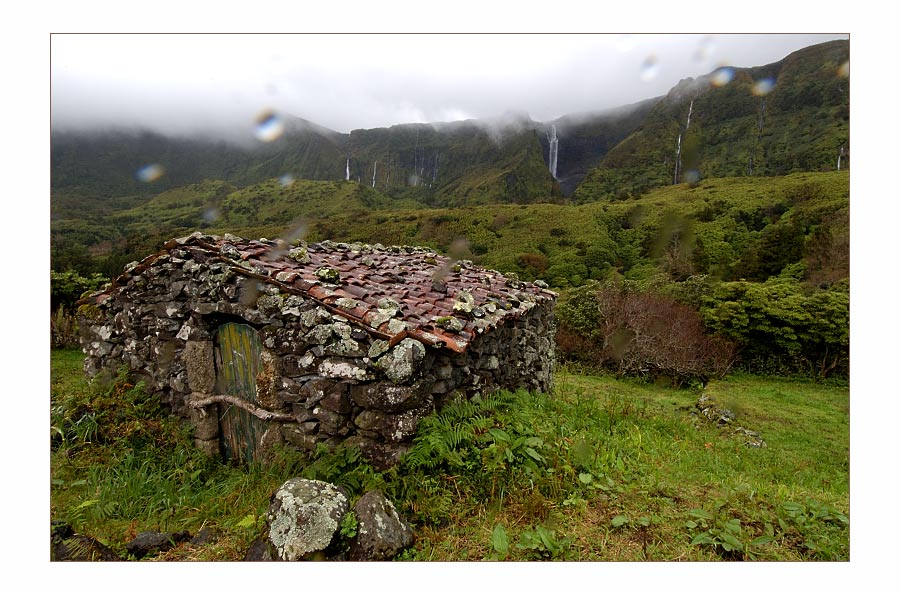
{"type": "Point", "coordinates": [635, 331]}
{"type": "Point", "coordinates": [67, 287]}
{"type": "Point", "coordinates": [781, 327]}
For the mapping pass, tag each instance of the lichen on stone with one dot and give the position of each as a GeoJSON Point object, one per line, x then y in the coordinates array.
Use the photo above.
{"type": "Point", "coordinates": [346, 303]}
{"type": "Point", "coordinates": [300, 254]}
{"type": "Point", "coordinates": [450, 323]}
{"type": "Point", "coordinates": [465, 303]}
{"type": "Point", "coordinates": [304, 517]}
{"type": "Point", "coordinates": [328, 275]}
{"type": "Point", "coordinates": [401, 363]}
{"type": "Point", "coordinates": [378, 348]}
{"type": "Point", "coordinates": [397, 326]}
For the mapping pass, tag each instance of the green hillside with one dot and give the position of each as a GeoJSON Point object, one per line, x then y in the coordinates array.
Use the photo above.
{"type": "Point", "coordinates": [785, 117]}
{"type": "Point", "coordinates": [728, 228]}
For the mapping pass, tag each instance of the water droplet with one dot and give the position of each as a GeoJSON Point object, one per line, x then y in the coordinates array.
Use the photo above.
{"type": "Point", "coordinates": [286, 180]}
{"type": "Point", "coordinates": [297, 232]}
{"type": "Point", "coordinates": [722, 76]}
{"type": "Point", "coordinates": [763, 86]}
{"type": "Point", "coordinates": [844, 69]}
{"type": "Point", "coordinates": [248, 290]}
{"type": "Point", "coordinates": [692, 176]}
{"type": "Point", "coordinates": [650, 68]}
{"type": "Point", "coordinates": [211, 214]}
{"type": "Point", "coordinates": [269, 126]}
{"type": "Point", "coordinates": [150, 172]}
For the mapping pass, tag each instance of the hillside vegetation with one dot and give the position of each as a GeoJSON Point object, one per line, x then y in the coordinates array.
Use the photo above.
{"type": "Point", "coordinates": [765, 261]}
{"type": "Point", "coordinates": [602, 470]}
{"type": "Point", "coordinates": [789, 116]}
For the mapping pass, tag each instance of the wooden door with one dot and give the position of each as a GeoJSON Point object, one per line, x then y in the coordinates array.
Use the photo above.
{"type": "Point", "coordinates": [237, 363]}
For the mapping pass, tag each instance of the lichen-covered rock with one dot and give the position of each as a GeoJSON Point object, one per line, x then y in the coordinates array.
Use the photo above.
{"type": "Point", "coordinates": [328, 275]}
{"type": "Point", "coordinates": [450, 323]}
{"type": "Point", "coordinates": [391, 398]}
{"type": "Point", "coordinates": [400, 365]}
{"type": "Point", "coordinates": [465, 303]}
{"type": "Point", "coordinates": [304, 517]}
{"type": "Point", "coordinates": [300, 254]}
{"type": "Point", "coordinates": [381, 533]}
{"type": "Point", "coordinates": [392, 427]}
{"type": "Point", "coordinates": [378, 348]}
{"type": "Point", "coordinates": [198, 361]}
{"type": "Point", "coordinates": [344, 369]}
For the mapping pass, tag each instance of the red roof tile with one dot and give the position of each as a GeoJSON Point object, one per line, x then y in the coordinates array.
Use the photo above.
{"type": "Point", "coordinates": [370, 274]}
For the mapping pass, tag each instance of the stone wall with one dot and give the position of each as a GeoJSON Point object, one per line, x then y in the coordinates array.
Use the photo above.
{"type": "Point", "coordinates": [323, 378]}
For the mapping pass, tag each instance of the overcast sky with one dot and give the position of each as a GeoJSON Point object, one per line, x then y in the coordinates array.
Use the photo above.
{"type": "Point", "coordinates": [183, 83]}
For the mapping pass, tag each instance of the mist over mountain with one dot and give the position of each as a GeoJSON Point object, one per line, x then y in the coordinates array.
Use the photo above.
{"type": "Point", "coordinates": [791, 115]}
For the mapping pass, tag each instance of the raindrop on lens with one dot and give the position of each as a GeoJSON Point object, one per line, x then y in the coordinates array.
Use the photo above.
{"type": "Point", "coordinates": [692, 176]}
{"type": "Point", "coordinates": [763, 86]}
{"type": "Point", "coordinates": [211, 214]}
{"type": "Point", "coordinates": [150, 172]}
{"type": "Point", "coordinates": [286, 180]}
{"type": "Point", "coordinates": [649, 68]}
{"type": "Point", "coordinates": [268, 126]}
{"type": "Point", "coordinates": [722, 76]}
{"type": "Point", "coordinates": [844, 69]}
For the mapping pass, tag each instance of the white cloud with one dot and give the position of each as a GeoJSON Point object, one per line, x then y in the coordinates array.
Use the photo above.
{"type": "Point", "coordinates": [183, 82]}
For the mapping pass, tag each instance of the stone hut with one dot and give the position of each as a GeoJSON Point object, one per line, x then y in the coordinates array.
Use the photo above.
{"type": "Point", "coordinates": [259, 342]}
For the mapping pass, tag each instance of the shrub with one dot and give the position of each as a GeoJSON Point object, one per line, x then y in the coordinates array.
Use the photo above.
{"type": "Point", "coordinates": [67, 287]}
{"type": "Point", "coordinates": [781, 327]}
{"type": "Point", "coordinates": [533, 264]}
{"type": "Point", "coordinates": [635, 331]}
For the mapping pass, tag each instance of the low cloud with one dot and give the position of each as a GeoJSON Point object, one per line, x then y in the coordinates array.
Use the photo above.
{"type": "Point", "coordinates": [220, 84]}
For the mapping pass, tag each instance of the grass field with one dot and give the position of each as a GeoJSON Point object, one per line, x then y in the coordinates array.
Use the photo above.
{"type": "Point", "coordinates": [602, 470]}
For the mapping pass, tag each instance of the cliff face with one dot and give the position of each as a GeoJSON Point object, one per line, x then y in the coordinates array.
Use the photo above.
{"type": "Point", "coordinates": [453, 164]}
{"type": "Point", "coordinates": [445, 164]}
{"type": "Point", "coordinates": [584, 139]}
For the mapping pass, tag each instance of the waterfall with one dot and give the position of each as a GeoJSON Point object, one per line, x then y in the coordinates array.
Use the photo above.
{"type": "Point", "coordinates": [677, 159]}
{"type": "Point", "coordinates": [347, 175]}
{"type": "Point", "coordinates": [434, 172]}
{"type": "Point", "coordinates": [554, 150]}
{"type": "Point", "coordinates": [415, 179]}
{"type": "Point", "coordinates": [762, 112]}
{"type": "Point", "coordinates": [687, 125]}
{"type": "Point", "coordinates": [841, 154]}
{"type": "Point", "coordinates": [374, 171]}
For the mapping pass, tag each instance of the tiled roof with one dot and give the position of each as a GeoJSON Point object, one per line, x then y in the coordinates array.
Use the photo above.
{"type": "Point", "coordinates": [394, 292]}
